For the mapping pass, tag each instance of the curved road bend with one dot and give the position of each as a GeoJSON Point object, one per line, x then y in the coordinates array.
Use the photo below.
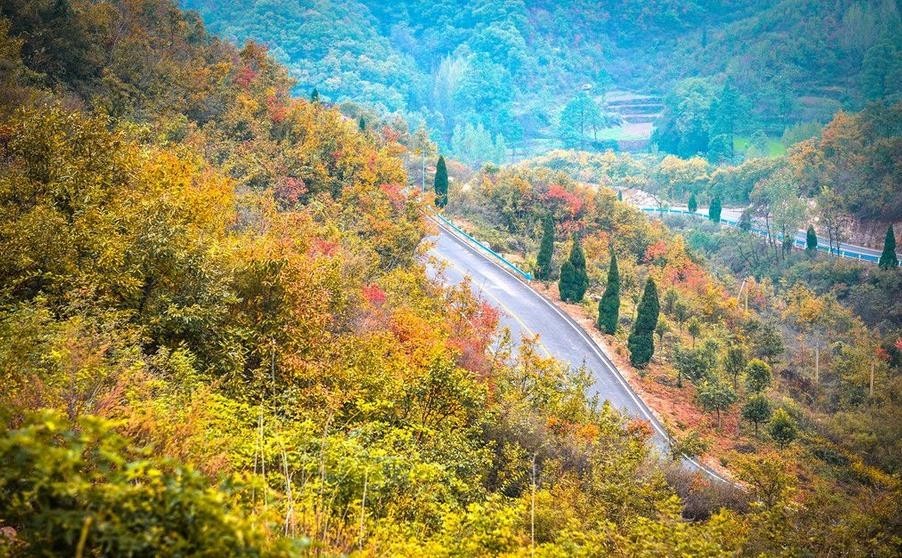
{"type": "Point", "coordinates": [526, 312]}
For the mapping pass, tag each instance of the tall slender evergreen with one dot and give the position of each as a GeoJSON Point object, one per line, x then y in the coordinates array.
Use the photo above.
{"type": "Point", "coordinates": [811, 240]}
{"type": "Point", "coordinates": [546, 250]}
{"type": "Point", "coordinates": [574, 279]}
{"type": "Point", "coordinates": [314, 96]}
{"type": "Point", "coordinates": [888, 259]}
{"type": "Point", "coordinates": [641, 342]}
{"type": "Point", "coordinates": [441, 183]}
{"type": "Point", "coordinates": [693, 203]}
{"type": "Point", "coordinates": [609, 305]}
{"type": "Point", "coordinates": [715, 209]}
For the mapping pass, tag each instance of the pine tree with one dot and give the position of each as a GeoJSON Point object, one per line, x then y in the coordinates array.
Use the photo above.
{"type": "Point", "coordinates": [641, 342]}
{"type": "Point", "coordinates": [888, 259]}
{"type": "Point", "coordinates": [314, 96]}
{"type": "Point", "coordinates": [441, 182]}
{"type": "Point", "coordinates": [362, 124]}
{"type": "Point", "coordinates": [715, 209]}
{"type": "Point", "coordinates": [546, 250]}
{"type": "Point", "coordinates": [574, 279]}
{"type": "Point", "coordinates": [693, 204]}
{"type": "Point", "coordinates": [609, 305]}
{"type": "Point", "coordinates": [811, 240]}
{"type": "Point", "coordinates": [619, 195]}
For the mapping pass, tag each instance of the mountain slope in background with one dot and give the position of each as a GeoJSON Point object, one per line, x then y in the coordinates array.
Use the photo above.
{"type": "Point", "coordinates": [510, 65]}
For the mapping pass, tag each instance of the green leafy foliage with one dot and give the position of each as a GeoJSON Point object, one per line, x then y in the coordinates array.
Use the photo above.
{"type": "Point", "coordinates": [782, 428]}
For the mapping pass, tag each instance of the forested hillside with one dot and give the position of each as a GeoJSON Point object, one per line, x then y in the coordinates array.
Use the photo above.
{"type": "Point", "coordinates": [486, 72]}
{"type": "Point", "coordinates": [218, 335]}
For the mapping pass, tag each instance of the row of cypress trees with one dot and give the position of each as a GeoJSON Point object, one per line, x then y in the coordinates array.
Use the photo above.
{"type": "Point", "coordinates": [572, 285]}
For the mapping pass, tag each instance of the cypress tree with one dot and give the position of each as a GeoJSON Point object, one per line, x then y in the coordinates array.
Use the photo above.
{"type": "Point", "coordinates": [693, 203]}
{"type": "Point", "coordinates": [888, 259]}
{"type": "Point", "coordinates": [546, 250]}
{"type": "Point", "coordinates": [811, 240]}
{"type": "Point", "coordinates": [314, 96]}
{"type": "Point", "coordinates": [619, 195]}
{"type": "Point", "coordinates": [441, 183]}
{"type": "Point", "coordinates": [714, 209]}
{"type": "Point", "coordinates": [574, 279]}
{"type": "Point", "coordinates": [362, 124]}
{"type": "Point", "coordinates": [609, 305]}
{"type": "Point", "coordinates": [641, 342]}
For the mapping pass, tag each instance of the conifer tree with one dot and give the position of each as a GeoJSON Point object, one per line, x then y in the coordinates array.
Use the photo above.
{"type": "Point", "coordinates": [715, 209]}
{"type": "Point", "coordinates": [888, 259]}
{"type": "Point", "coordinates": [314, 96]}
{"type": "Point", "coordinates": [441, 182]}
{"type": "Point", "coordinates": [546, 250]}
{"type": "Point", "coordinates": [362, 124]}
{"type": "Point", "coordinates": [641, 341]}
{"type": "Point", "coordinates": [574, 279]}
{"type": "Point", "coordinates": [609, 305]}
{"type": "Point", "coordinates": [693, 203]}
{"type": "Point", "coordinates": [619, 195]}
{"type": "Point", "coordinates": [811, 240]}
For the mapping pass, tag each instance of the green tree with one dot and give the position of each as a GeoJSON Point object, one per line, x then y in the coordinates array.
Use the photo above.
{"type": "Point", "coordinates": [756, 410]}
{"type": "Point", "coordinates": [888, 259]}
{"type": "Point", "coordinates": [641, 342]}
{"type": "Point", "coordinates": [361, 124]}
{"type": "Point", "coordinates": [609, 305]}
{"type": "Point", "coordinates": [441, 183]}
{"type": "Point", "coordinates": [693, 203]}
{"type": "Point", "coordinates": [79, 491]}
{"type": "Point", "coordinates": [314, 96]}
{"type": "Point", "coordinates": [734, 362]}
{"type": "Point", "coordinates": [580, 116]}
{"type": "Point", "coordinates": [881, 70]}
{"type": "Point", "coordinates": [811, 240]}
{"type": "Point", "coordinates": [745, 220]}
{"type": "Point", "coordinates": [758, 375]}
{"type": "Point", "coordinates": [715, 396]}
{"type": "Point", "coordinates": [546, 249]}
{"type": "Point", "coordinates": [782, 428]}
{"type": "Point", "coordinates": [727, 114]}
{"type": "Point", "coordinates": [694, 327]}
{"type": "Point", "coordinates": [695, 364]}
{"type": "Point", "coordinates": [715, 209]}
{"type": "Point", "coordinates": [574, 279]}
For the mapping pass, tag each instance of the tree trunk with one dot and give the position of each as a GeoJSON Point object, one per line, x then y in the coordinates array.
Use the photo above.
{"type": "Point", "coordinates": [817, 363]}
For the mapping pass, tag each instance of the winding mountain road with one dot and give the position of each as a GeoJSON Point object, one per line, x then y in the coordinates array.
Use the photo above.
{"type": "Point", "coordinates": [526, 312]}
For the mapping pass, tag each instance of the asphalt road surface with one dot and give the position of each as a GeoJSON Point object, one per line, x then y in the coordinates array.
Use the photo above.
{"type": "Point", "coordinates": [527, 313]}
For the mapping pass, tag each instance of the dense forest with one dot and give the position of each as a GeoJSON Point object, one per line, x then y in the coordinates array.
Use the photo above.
{"type": "Point", "coordinates": [504, 73]}
{"type": "Point", "coordinates": [221, 332]}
